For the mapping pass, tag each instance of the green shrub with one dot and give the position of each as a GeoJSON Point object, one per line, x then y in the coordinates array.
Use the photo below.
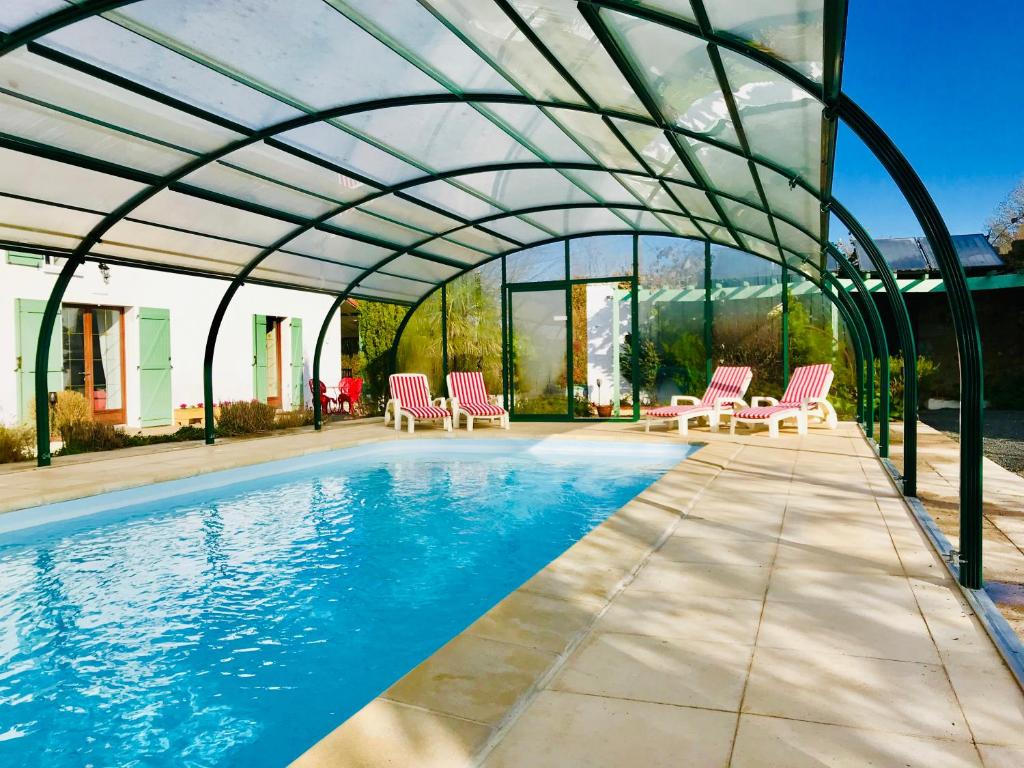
{"type": "Point", "coordinates": [245, 417]}
{"type": "Point", "coordinates": [301, 417]}
{"type": "Point", "coordinates": [926, 374]}
{"type": "Point", "coordinates": [85, 436]}
{"type": "Point", "coordinates": [16, 443]}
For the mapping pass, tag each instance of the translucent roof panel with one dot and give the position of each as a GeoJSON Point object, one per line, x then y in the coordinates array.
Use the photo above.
{"type": "Point", "coordinates": [781, 120]}
{"type": "Point", "coordinates": [497, 38]}
{"type": "Point", "coordinates": [790, 30]}
{"type": "Point", "coordinates": [408, 140]}
{"type": "Point", "coordinates": [566, 34]}
{"type": "Point", "coordinates": [677, 71]}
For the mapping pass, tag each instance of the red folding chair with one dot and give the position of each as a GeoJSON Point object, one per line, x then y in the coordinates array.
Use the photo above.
{"type": "Point", "coordinates": [350, 389]}
{"type": "Point", "coordinates": [328, 404]}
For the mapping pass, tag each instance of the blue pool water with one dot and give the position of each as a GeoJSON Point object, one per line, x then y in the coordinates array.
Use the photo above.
{"type": "Point", "coordinates": [242, 618]}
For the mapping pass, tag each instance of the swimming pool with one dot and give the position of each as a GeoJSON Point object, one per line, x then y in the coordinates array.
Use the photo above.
{"type": "Point", "coordinates": [236, 618]}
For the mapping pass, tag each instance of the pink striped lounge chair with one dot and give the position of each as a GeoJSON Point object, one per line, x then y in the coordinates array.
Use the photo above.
{"type": "Point", "coordinates": [724, 393]}
{"type": "Point", "coordinates": [468, 395]}
{"type": "Point", "coordinates": [410, 397]}
{"type": "Point", "coordinates": [803, 398]}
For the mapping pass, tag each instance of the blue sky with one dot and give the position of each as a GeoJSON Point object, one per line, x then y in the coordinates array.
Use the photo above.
{"type": "Point", "coordinates": [944, 79]}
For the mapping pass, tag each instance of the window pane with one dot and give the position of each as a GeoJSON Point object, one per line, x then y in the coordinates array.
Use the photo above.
{"type": "Point", "coordinates": [602, 256]}
{"type": "Point", "coordinates": [671, 304]}
{"type": "Point", "coordinates": [419, 349]}
{"type": "Point", "coordinates": [570, 221]}
{"type": "Point", "coordinates": [474, 324]}
{"type": "Point", "coordinates": [747, 325]}
{"type": "Point", "coordinates": [545, 262]}
{"type": "Point", "coordinates": [201, 216]}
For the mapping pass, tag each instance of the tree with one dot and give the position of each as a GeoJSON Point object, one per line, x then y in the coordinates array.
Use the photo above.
{"type": "Point", "coordinates": [1007, 223]}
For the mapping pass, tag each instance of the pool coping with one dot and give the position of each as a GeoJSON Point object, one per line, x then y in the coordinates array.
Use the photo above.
{"type": "Point", "coordinates": [456, 705]}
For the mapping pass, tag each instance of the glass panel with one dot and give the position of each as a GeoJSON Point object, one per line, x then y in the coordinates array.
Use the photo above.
{"type": "Point", "coordinates": [795, 240]}
{"type": "Point", "coordinates": [348, 152]}
{"type": "Point", "coordinates": [30, 121]}
{"type": "Point", "coordinates": [107, 359]}
{"type": "Point", "coordinates": [474, 324]}
{"type": "Point", "coordinates": [290, 48]}
{"type": "Point", "coordinates": [607, 188]}
{"type": "Point", "coordinates": [408, 290]}
{"type": "Point", "coordinates": [538, 373]}
{"type": "Point", "coordinates": [449, 250]}
{"type": "Point", "coordinates": [782, 121]}
{"type": "Point", "coordinates": [413, 27]}
{"type": "Point", "coordinates": [601, 256]}
{"type": "Point", "coordinates": [337, 248]}
{"type": "Point", "coordinates": [276, 164]}
{"type": "Point", "coordinates": [356, 220]}
{"type": "Point", "coordinates": [273, 367]}
{"type": "Point", "coordinates": [289, 267]}
{"type": "Point", "coordinates": [649, 192]}
{"type": "Point", "coordinates": [601, 358]}
{"type": "Point", "coordinates": [726, 171]}
{"type": "Point", "coordinates": [679, 8]}
{"type": "Point", "coordinates": [51, 181]}
{"type": "Point", "coordinates": [73, 335]}
{"type": "Point", "coordinates": [201, 216]}
{"type": "Point", "coordinates": [545, 262]}
{"type": "Point", "coordinates": [572, 220]}
{"type": "Point", "coordinates": [485, 241]}
{"type": "Point", "coordinates": [419, 348]}
{"type": "Point", "coordinates": [458, 135]}
{"type": "Point", "coordinates": [536, 127]}
{"type": "Point", "coordinates": [791, 201]}
{"type": "Point", "coordinates": [162, 245]}
{"type": "Point", "coordinates": [671, 305]}
{"type": "Point", "coordinates": [497, 37]}
{"type": "Point", "coordinates": [790, 30]}
{"type": "Point", "coordinates": [682, 225]}
{"type": "Point", "coordinates": [643, 220]}
{"type": "Point", "coordinates": [29, 222]}
{"type": "Point", "coordinates": [747, 218]}
{"type": "Point", "coordinates": [568, 36]}
{"type": "Point", "coordinates": [525, 188]}
{"type": "Point", "coordinates": [747, 325]}
{"type": "Point", "coordinates": [18, 13]}
{"type": "Point", "coordinates": [112, 48]}
{"type": "Point", "coordinates": [817, 335]}
{"type": "Point", "coordinates": [677, 72]}
{"type": "Point", "coordinates": [518, 229]}
{"type": "Point", "coordinates": [695, 201]}
{"type": "Point", "coordinates": [651, 144]}
{"type": "Point", "coordinates": [410, 214]}
{"type": "Point", "coordinates": [596, 138]}
{"type": "Point", "coordinates": [28, 74]}
{"type": "Point", "coordinates": [450, 198]}
{"type": "Point", "coordinates": [252, 189]}
{"type": "Point", "coordinates": [412, 266]}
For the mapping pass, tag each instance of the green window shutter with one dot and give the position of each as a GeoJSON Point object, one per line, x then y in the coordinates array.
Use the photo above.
{"type": "Point", "coordinates": [155, 366]}
{"type": "Point", "coordinates": [24, 259]}
{"type": "Point", "coordinates": [298, 399]}
{"type": "Point", "coordinates": [259, 358]}
{"type": "Point", "coordinates": [28, 320]}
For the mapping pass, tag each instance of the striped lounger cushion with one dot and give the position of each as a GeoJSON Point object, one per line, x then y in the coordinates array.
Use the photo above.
{"type": "Point", "coordinates": [727, 381]}
{"type": "Point", "coordinates": [468, 387]}
{"type": "Point", "coordinates": [808, 382]}
{"type": "Point", "coordinates": [412, 393]}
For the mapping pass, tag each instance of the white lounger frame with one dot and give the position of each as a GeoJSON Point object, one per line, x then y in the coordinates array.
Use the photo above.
{"type": "Point", "coordinates": [394, 408]}
{"type": "Point", "coordinates": [816, 407]}
{"type": "Point", "coordinates": [457, 413]}
{"type": "Point", "coordinates": [724, 407]}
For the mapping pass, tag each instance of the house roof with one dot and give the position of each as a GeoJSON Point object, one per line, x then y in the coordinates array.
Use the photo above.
{"type": "Point", "coordinates": [914, 254]}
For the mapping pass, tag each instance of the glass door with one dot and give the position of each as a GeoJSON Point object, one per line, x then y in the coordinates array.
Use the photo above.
{"type": "Point", "coordinates": [538, 338]}
{"type": "Point", "coordinates": [93, 342]}
{"type": "Point", "coordinates": [602, 317]}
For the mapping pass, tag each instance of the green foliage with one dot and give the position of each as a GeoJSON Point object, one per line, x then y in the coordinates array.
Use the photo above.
{"type": "Point", "coordinates": [927, 371]}
{"type": "Point", "coordinates": [17, 443]}
{"type": "Point", "coordinates": [245, 417]}
{"type": "Point", "coordinates": [89, 436]}
{"type": "Point", "coordinates": [300, 417]}
{"type": "Point", "coordinates": [377, 325]}
{"type": "Point", "coordinates": [474, 328]}
{"type": "Point", "coordinates": [648, 362]}
{"type": "Point", "coordinates": [812, 342]}
{"type": "Point", "coordinates": [70, 410]}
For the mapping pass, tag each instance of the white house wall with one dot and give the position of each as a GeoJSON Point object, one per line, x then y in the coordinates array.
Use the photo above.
{"type": "Point", "coordinates": [191, 302]}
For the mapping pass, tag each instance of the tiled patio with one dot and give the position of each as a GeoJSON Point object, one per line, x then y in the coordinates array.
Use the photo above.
{"type": "Point", "coordinates": [766, 603]}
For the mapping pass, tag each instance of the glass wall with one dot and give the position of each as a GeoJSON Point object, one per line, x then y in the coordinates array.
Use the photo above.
{"type": "Point", "coordinates": [474, 324]}
{"type": "Point", "coordinates": [419, 348]}
{"type": "Point", "coordinates": [673, 357]}
{"type": "Point", "coordinates": [746, 308]}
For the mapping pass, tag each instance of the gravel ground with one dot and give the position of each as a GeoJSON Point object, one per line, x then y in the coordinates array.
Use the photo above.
{"type": "Point", "coordinates": [1004, 434]}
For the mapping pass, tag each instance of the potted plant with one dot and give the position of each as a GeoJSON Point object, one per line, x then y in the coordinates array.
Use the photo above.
{"type": "Point", "coordinates": [603, 410]}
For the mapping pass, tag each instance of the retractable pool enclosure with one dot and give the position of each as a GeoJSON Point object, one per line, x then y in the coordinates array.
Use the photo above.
{"type": "Point", "coordinates": [382, 150]}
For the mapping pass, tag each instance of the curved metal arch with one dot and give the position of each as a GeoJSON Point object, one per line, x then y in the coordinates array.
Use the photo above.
{"type": "Point", "coordinates": [859, 332]}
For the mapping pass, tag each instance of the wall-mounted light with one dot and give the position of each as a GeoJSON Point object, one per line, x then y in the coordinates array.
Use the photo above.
{"type": "Point", "coordinates": [105, 272]}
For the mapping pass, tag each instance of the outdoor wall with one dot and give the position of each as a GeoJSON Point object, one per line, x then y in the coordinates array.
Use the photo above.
{"type": "Point", "coordinates": [191, 302]}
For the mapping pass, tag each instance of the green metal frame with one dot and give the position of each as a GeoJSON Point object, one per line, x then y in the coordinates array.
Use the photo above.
{"type": "Point", "coordinates": [838, 107]}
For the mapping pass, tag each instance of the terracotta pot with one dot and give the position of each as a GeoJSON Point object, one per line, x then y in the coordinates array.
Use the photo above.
{"type": "Point", "coordinates": [604, 411]}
